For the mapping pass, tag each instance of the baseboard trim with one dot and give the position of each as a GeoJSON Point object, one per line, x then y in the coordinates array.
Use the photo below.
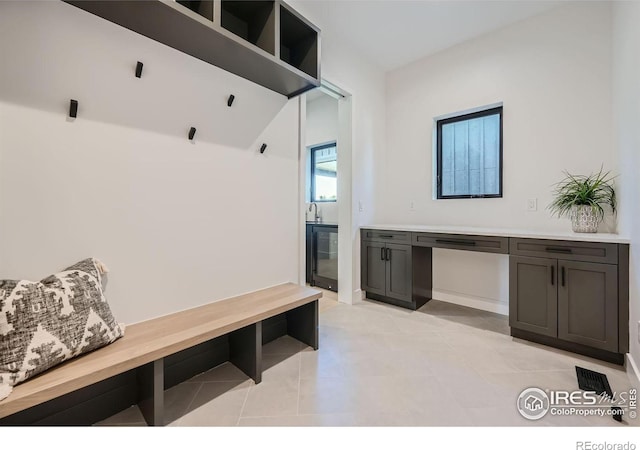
{"type": "Point", "coordinates": [357, 296]}
{"type": "Point", "coordinates": [633, 371]}
{"type": "Point", "coordinates": [472, 302]}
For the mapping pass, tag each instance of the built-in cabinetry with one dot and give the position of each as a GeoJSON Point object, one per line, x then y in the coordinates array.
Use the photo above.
{"type": "Point", "coordinates": [566, 290]}
{"type": "Point", "coordinates": [266, 42]}
{"type": "Point", "coordinates": [322, 255]}
{"type": "Point", "coordinates": [390, 270]}
{"type": "Point", "coordinates": [568, 294]}
{"type": "Point", "coordinates": [533, 295]}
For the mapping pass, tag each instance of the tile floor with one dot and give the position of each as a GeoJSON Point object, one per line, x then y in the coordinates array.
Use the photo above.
{"type": "Point", "coordinates": [378, 365]}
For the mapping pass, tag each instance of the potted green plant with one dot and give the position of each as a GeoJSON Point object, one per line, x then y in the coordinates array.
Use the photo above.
{"type": "Point", "coordinates": [584, 198]}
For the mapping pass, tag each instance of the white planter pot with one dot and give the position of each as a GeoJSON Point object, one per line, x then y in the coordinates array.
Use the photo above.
{"type": "Point", "coordinates": [584, 219]}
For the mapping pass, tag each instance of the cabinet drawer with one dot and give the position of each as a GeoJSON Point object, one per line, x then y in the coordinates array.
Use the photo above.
{"type": "Point", "coordinates": [491, 244]}
{"type": "Point", "coordinates": [386, 236]}
{"type": "Point", "coordinates": [567, 250]}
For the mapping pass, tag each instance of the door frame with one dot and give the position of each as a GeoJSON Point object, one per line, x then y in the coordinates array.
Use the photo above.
{"type": "Point", "coordinates": [347, 234]}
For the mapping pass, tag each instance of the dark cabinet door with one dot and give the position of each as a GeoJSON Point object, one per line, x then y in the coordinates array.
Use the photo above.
{"type": "Point", "coordinates": [399, 272]}
{"type": "Point", "coordinates": [373, 271]}
{"type": "Point", "coordinates": [533, 295]}
{"type": "Point", "coordinates": [588, 304]}
{"type": "Point", "coordinates": [325, 257]}
{"type": "Point", "coordinates": [309, 253]}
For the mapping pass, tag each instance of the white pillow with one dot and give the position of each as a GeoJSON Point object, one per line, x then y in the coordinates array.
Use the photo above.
{"type": "Point", "coordinates": [44, 323]}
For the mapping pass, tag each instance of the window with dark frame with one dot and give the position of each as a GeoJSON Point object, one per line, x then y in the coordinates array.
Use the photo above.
{"type": "Point", "coordinates": [324, 173]}
{"type": "Point", "coordinates": [469, 155]}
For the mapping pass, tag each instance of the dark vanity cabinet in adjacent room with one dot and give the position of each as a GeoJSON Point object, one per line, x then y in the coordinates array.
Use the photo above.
{"type": "Point", "coordinates": [322, 255]}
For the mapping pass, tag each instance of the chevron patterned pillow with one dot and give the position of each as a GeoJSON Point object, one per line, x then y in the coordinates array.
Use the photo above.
{"type": "Point", "coordinates": [58, 318]}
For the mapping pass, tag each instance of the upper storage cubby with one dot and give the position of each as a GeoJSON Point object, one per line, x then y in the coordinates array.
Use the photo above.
{"type": "Point", "coordinates": [240, 37]}
{"type": "Point", "coordinates": [202, 7]}
{"type": "Point", "coordinates": [253, 21]}
{"type": "Point", "coordinates": [298, 42]}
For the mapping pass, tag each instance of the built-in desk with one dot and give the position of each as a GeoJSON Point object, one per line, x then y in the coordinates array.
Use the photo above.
{"type": "Point", "coordinates": [569, 290]}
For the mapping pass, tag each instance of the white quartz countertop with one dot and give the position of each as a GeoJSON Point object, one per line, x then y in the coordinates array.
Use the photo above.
{"type": "Point", "coordinates": [505, 232]}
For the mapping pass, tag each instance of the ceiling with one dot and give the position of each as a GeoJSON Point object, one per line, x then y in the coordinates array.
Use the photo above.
{"type": "Point", "coordinates": [392, 33]}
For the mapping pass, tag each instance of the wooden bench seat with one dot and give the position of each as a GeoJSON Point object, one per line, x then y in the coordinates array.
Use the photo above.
{"type": "Point", "coordinates": [145, 344]}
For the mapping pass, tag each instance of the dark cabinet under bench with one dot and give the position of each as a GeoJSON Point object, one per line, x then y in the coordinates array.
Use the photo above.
{"type": "Point", "coordinates": [568, 294]}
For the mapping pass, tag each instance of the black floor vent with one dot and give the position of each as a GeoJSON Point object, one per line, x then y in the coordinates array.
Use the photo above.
{"type": "Point", "coordinates": [597, 382]}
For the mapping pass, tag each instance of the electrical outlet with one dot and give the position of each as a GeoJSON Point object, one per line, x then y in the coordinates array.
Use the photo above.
{"type": "Point", "coordinates": [532, 204]}
{"type": "Point", "coordinates": [412, 206]}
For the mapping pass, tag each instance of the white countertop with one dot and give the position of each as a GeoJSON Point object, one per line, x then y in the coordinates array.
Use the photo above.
{"type": "Point", "coordinates": [505, 232]}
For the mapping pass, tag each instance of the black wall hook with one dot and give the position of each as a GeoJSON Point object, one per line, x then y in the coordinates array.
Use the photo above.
{"type": "Point", "coordinates": [73, 108]}
{"type": "Point", "coordinates": [263, 147]}
{"type": "Point", "coordinates": [139, 69]}
{"type": "Point", "coordinates": [192, 133]}
{"type": "Point", "coordinates": [230, 100]}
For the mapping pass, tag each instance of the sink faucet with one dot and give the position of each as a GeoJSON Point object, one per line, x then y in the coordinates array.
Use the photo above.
{"type": "Point", "coordinates": [315, 216]}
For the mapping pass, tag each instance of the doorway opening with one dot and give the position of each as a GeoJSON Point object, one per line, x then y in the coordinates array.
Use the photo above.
{"type": "Point", "coordinates": [325, 191]}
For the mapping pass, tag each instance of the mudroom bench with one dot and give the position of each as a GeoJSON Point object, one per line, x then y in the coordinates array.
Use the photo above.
{"type": "Point", "coordinates": [159, 353]}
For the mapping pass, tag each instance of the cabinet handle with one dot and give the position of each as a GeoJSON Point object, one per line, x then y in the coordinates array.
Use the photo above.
{"type": "Point", "coordinates": [382, 253]}
{"type": "Point", "coordinates": [388, 254]}
{"type": "Point", "coordinates": [553, 275]}
{"type": "Point", "coordinates": [455, 242]}
{"type": "Point", "coordinates": [386, 236]}
{"type": "Point", "coordinates": [558, 250]}
{"type": "Point", "coordinates": [563, 276]}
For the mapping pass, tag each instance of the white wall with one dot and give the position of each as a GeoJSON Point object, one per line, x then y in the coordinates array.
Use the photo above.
{"type": "Point", "coordinates": [179, 223]}
{"type": "Point", "coordinates": [553, 73]}
{"type": "Point", "coordinates": [626, 111]}
{"type": "Point", "coordinates": [322, 120]}
{"type": "Point", "coordinates": [364, 80]}
{"type": "Point", "coordinates": [322, 128]}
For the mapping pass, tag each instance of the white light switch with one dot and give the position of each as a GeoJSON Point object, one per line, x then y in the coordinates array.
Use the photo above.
{"type": "Point", "coordinates": [360, 208]}
{"type": "Point", "coordinates": [532, 204]}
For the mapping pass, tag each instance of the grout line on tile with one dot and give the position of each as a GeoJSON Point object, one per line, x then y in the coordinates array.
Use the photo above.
{"type": "Point", "coordinates": [244, 403]}
{"type": "Point", "coordinates": [188, 409]}
{"type": "Point", "coordinates": [299, 382]}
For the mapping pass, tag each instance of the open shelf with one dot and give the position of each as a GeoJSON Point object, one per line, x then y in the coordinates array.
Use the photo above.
{"type": "Point", "coordinates": [242, 40]}
{"type": "Point", "coordinates": [253, 21]}
{"type": "Point", "coordinates": [202, 7]}
{"type": "Point", "coordinates": [298, 42]}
